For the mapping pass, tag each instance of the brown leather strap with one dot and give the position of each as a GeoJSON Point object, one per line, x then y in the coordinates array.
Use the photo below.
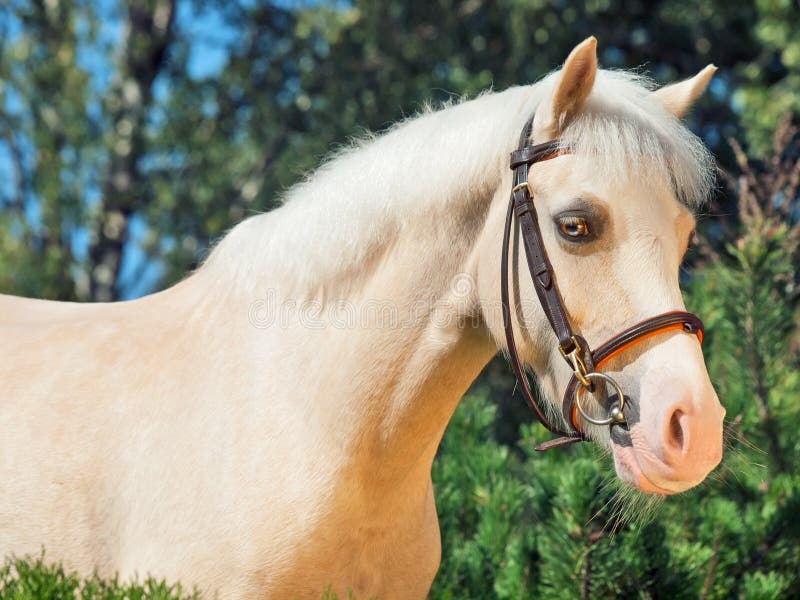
{"type": "Point", "coordinates": [544, 280]}
{"type": "Point", "coordinates": [528, 155]}
{"type": "Point", "coordinates": [521, 205]}
{"type": "Point", "coordinates": [513, 357]}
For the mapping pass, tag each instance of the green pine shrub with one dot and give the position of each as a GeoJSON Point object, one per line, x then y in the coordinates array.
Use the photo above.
{"type": "Point", "coordinates": [34, 579]}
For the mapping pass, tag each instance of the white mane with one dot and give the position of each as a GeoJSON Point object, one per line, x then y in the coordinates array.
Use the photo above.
{"type": "Point", "coordinates": [434, 167]}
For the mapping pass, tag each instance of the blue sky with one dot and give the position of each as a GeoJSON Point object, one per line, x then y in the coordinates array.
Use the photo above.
{"type": "Point", "coordinates": [209, 35]}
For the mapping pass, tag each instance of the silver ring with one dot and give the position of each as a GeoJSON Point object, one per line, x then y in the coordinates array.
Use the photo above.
{"type": "Point", "coordinates": [616, 415]}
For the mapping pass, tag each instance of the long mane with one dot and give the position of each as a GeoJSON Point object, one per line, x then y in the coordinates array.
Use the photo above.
{"type": "Point", "coordinates": [440, 165]}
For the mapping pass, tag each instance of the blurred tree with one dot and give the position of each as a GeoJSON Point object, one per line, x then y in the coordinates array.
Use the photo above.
{"type": "Point", "coordinates": [50, 148]}
{"type": "Point", "coordinates": [135, 132]}
{"type": "Point", "coordinates": [74, 142]}
{"type": "Point", "coordinates": [127, 102]}
{"type": "Point", "coordinates": [771, 76]}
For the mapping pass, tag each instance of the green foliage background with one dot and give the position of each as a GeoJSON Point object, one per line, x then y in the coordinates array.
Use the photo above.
{"type": "Point", "coordinates": [132, 134]}
{"type": "Point", "coordinates": [34, 579]}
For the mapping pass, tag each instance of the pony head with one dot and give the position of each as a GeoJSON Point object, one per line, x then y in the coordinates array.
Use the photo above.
{"type": "Point", "coordinates": [616, 219]}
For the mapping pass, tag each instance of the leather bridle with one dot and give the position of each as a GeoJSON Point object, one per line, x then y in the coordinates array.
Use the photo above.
{"type": "Point", "coordinates": [583, 361]}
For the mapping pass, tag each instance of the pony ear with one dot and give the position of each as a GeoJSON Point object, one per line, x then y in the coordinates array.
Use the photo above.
{"type": "Point", "coordinates": [572, 88]}
{"type": "Point", "coordinates": [677, 98]}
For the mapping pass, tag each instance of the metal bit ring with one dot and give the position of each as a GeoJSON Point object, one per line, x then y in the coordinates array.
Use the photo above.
{"type": "Point", "coordinates": [616, 415]}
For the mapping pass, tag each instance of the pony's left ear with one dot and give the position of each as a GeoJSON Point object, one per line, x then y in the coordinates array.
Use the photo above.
{"type": "Point", "coordinates": [575, 82]}
{"type": "Point", "coordinates": [678, 98]}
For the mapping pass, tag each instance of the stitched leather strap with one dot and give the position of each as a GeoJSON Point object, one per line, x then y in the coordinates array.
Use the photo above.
{"type": "Point", "coordinates": [521, 206]}
{"type": "Point", "coordinates": [544, 280]}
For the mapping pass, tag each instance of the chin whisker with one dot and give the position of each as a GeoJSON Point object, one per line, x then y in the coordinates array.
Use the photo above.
{"type": "Point", "coordinates": [609, 483]}
{"type": "Point", "coordinates": [621, 505]}
{"type": "Point", "coordinates": [737, 464]}
{"type": "Point", "coordinates": [733, 435]}
{"type": "Point", "coordinates": [626, 506]}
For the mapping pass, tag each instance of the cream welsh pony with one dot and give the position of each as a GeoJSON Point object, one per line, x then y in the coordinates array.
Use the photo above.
{"type": "Point", "coordinates": [266, 427]}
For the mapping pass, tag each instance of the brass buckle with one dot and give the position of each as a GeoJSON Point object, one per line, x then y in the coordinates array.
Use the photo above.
{"type": "Point", "coordinates": [522, 186]}
{"type": "Point", "coordinates": [574, 359]}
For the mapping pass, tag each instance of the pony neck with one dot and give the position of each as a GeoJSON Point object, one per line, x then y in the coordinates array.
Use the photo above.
{"type": "Point", "coordinates": [385, 234]}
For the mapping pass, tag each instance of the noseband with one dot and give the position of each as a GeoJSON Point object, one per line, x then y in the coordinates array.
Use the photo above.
{"type": "Point", "coordinates": [583, 361]}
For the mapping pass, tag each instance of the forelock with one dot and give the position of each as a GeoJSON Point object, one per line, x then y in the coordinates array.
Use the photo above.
{"type": "Point", "coordinates": [627, 133]}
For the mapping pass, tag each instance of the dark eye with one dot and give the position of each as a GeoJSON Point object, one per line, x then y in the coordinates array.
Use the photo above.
{"type": "Point", "coordinates": [574, 228]}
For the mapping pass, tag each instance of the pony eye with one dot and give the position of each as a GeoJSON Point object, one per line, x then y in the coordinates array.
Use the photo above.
{"type": "Point", "coordinates": [573, 228]}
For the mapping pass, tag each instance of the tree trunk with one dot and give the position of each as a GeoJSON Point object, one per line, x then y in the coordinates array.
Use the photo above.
{"type": "Point", "coordinates": [148, 33]}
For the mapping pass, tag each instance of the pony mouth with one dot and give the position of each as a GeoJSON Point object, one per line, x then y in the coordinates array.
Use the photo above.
{"type": "Point", "coordinates": [630, 471]}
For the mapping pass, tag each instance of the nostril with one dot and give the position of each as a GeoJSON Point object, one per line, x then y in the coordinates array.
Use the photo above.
{"type": "Point", "coordinates": [676, 436]}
